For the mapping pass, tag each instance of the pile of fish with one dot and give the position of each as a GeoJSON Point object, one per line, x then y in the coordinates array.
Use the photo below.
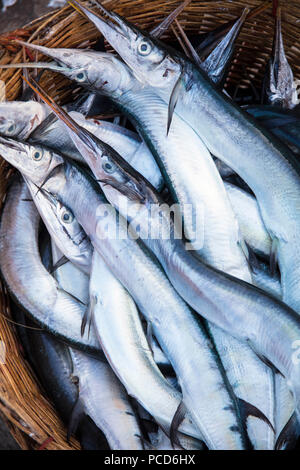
{"type": "Point", "coordinates": [156, 254]}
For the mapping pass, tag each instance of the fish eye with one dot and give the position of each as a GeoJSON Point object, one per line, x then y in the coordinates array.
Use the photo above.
{"type": "Point", "coordinates": [108, 167]}
{"type": "Point", "coordinates": [81, 76]}
{"type": "Point", "coordinates": [67, 217]}
{"type": "Point", "coordinates": [37, 155]}
{"type": "Point", "coordinates": [144, 48]}
{"type": "Point", "coordinates": [11, 129]}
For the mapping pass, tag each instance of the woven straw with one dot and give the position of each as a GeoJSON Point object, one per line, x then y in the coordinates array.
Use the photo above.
{"type": "Point", "coordinates": [32, 419]}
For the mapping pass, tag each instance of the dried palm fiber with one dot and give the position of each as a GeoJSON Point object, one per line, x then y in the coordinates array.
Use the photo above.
{"type": "Point", "coordinates": [32, 419]}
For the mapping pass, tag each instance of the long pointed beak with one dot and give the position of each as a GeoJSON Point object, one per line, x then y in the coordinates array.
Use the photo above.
{"type": "Point", "coordinates": [106, 25]}
{"type": "Point", "coordinates": [234, 32]}
{"type": "Point", "coordinates": [12, 151]}
{"type": "Point", "coordinates": [166, 23]}
{"type": "Point", "coordinates": [53, 53]}
{"type": "Point", "coordinates": [72, 126]}
{"type": "Point", "coordinates": [278, 36]}
{"type": "Point", "coordinates": [35, 65]}
{"type": "Point", "coordinates": [7, 142]}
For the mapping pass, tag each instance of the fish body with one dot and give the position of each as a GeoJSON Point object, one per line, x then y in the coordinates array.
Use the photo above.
{"type": "Point", "coordinates": [70, 277]}
{"type": "Point", "coordinates": [266, 280]}
{"type": "Point", "coordinates": [26, 276]}
{"type": "Point", "coordinates": [285, 409]}
{"type": "Point", "coordinates": [168, 303]}
{"type": "Point", "coordinates": [119, 329]}
{"type": "Point", "coordinates": [175, 261]}
{"type": "Point", "coordinates": [250, 222]}
{"type": "Point", "coordinates": [180, 82]}
{"type": "Point", "coordinates": [104, 399]}
{"type": "Point", "coordinates": [93, 152]}
{"type": "Point", "coordinates": [251, 380]}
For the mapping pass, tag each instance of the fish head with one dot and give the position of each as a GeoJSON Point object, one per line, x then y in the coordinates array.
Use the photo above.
{"type": "Point", "coordinates": [19, 119]}
{"type": "Point", "coordinates": [114, 174]}
{"type": "Point", "coordinates": [62, 225]}
{"type": "Point", "coordinates": [150, 60]}
{"type": "Point", "coordinates": [34, 161]}
{"type": "Point", "coordinates": [98, 71]}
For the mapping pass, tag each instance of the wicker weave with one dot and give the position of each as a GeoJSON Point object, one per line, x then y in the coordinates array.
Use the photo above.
{"type": "Point", "coordinates": [32, 419]}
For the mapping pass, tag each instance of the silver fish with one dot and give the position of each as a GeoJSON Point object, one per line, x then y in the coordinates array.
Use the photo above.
{"type": "Point", "coordinates": [243, 299]}
{"type": "Point", "coordinates": [102, 397]}
{"type": "Point", "coordinates": [161, 441]}
{"type": "Point", "coordinates": [71, 278]}
{"type": "Point", "coordinates": [27, 120]}
{"type": "Point", "coordinates": [250, 221]}
{"type": "Point", "coordinates": [69, 184]}
{"type": "Point", "coordinates": [193, 179]}
{"type": "Point", "coordinates": [126, 143]}
{"type": "Point", "coordinates": [264, 279]}
{"type": "Point", "coordinates": [216, 64]}
{"type": "Point", "coordinates": [19, 119]}
{"type": "Point", "coordinates": [98, 158]}
{"type": "Point", "coordinates": [121, 335]}
{"type": "Point", "coordinates": [197, 101]}
{"type": "Point", "coordinates": [27, 279]}
{"type": "Point", "coordinates": [279, 88]}
{"type": "Point", "coordinates": [63, 228]}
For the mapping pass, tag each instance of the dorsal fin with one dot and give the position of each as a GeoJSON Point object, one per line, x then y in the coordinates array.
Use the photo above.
{"type": "Point", "coordinates": [176, 422]}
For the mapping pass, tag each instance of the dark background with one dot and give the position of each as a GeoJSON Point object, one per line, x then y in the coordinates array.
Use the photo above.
{"type": "Point", "coordinates": [21, 13]}
{"type": "Point", "coordinates": [15, 17]}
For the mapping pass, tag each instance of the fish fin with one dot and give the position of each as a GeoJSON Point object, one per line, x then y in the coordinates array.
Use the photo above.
{"type": "Point", "coordinates": [274, 256]}
{"type": "Point", "coordinates": [289, 435]}
{"type": "Point", "coordinates": [76, 416]}
{"type": "Point", "coordinates": [150, 336]}
{"type": "Point", "coordinates": [63, 260]}
{"type": "Point", "coordinates": [265, 360]}
{"type": "Point", "coordinates": [250, 410]}
{"type": "Point", "coordinates": [149, 425]}
{"type": "Point", "coordinates": [162, 27]}
{"type": "Point", "coordinates": [42, 128]}
{"type": "Point", "coordinates": [88, 316]}
{"type": "Point", "coordinates": [244, 247]}
{"type": "Point", "coordinates": [71, 295]}
{"type": "Point", "coordinates": [252, 260]}
{"type": "Point", "coordinates": [85, 320]}
{"type": "Point", "coordinates": [176, 421]}
{"type": "Point", "coordinates": [270, 364]}
{"type": "Point", "coordinates": [145, 443]}
{"type": "Point", "coordinates": [249, 255]}
{"type": "Point", "coordinates": [174, 100]}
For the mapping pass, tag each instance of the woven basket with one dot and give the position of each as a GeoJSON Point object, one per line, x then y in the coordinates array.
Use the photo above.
{"type": "Point", "coordinates": [32, 419]}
